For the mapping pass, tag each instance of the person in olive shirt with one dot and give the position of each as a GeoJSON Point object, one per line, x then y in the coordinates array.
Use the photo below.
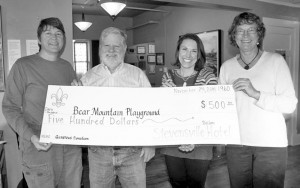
{"type": "Point", "coordinates": [44, 165]}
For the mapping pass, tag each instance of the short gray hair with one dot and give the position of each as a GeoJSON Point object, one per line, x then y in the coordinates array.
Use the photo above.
{"type": "Point", "coordinates": [113, 30]}
{"type": "Point", "coordinates": [247, 18]}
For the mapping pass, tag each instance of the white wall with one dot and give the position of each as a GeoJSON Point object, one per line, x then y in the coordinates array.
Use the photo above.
{"type": "Point", "coordinates": [180, 21]}
{"type": "Point", "coordinates": [100, 23]}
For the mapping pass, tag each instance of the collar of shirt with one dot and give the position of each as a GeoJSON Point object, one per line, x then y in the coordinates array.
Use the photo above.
{"type": "Point", "coordinates": [116, 70]}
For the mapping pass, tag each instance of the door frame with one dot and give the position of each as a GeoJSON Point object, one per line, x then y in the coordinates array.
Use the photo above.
{"type": "Point", "coordinates": [292, 123]}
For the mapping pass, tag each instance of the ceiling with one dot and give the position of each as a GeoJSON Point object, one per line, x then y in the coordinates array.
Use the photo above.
{"type": "Point", "coordinates": [290, 3]}
{"type": "Point", "coordinates": [132, 8]}
{"type": "Point", "coordinates": [136, 7]}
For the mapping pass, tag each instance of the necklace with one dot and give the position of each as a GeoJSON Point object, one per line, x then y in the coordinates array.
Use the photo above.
{"type": "Point", "coordinates": [247, 64]}
{"type": "Point", "coordinates": [185, 79]}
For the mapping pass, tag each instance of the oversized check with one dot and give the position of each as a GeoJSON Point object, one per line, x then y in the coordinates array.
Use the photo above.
{"type": "Point", "coordinates": [111, 116]}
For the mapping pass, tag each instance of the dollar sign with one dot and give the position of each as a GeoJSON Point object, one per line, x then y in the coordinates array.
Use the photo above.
{"type": "Point", "coordinates": [202, 104]}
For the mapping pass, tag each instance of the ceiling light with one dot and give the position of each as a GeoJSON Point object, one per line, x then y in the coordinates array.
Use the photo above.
{"type": "Point", "coordinates": [83, 25]}
{"type": "Point", "coordinates": [113, 7]}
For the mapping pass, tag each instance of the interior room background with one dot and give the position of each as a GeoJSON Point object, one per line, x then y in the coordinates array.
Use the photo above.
{"type": "Point", "coordinates": [20, 19]}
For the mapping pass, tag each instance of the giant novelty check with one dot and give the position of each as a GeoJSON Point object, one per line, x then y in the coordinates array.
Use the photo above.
{"type": "Point", "coordinates": [110, 116]}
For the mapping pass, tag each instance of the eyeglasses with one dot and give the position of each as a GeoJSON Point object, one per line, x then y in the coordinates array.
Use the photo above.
{"type": "Point", "coordinates": [250, 31]}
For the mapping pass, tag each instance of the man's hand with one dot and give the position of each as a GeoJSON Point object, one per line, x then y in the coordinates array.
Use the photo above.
{"type": "Point", "coordinates": [245, 85]}
{"type": "Point", "coordinates": [76, 83]}
{"type": "Point", "coordinates": [187, 148]}
{"type": "Point", "coordinates": [39, 145]}
{"type": "Point", "coordinates": [148, 153]}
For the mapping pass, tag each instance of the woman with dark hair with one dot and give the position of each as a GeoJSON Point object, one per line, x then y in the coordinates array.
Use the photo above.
{"type": "Point", "coordinates": [188, 164]}
{"type": "Point", "coordinates": [264, 93]}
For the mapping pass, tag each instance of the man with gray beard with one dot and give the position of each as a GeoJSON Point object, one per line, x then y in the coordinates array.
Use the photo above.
{"type": "Point", "coordinates": [106, 163]}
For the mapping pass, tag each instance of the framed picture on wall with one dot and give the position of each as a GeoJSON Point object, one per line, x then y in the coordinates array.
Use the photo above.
{"type": "Point", "coordinates": [141, 49]}
{"type": "Point", "coordinates": [151, 48]}
{"type": "Point", "coordinates": [141, 57]}
{"type": "Point", "coordinates": [151, 59]}
{"type": "Point", "coordinates": [212, 46]}
{"type": "Point", "coordinates": [152, 69]}
{"type": "Point", "coordinates": [130, 50]}
{"type": "Point", "coordinates": [160, 59]}
{"type": "Point", "coordinates": [142, 65]}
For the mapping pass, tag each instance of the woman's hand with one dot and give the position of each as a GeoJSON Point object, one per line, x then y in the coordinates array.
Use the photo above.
{"type": "Point", "coordinates": [187, 148]}
{"type": "Point", "coordinates": [245, 85]}
{"type": "Point", "coordinates": [76, 83]}
{"type": "Point", "coordinates": [148, 153]}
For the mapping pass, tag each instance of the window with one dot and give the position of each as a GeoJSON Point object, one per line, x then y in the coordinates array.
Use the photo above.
{"type": "Point", "coordinates": [81, 59]}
